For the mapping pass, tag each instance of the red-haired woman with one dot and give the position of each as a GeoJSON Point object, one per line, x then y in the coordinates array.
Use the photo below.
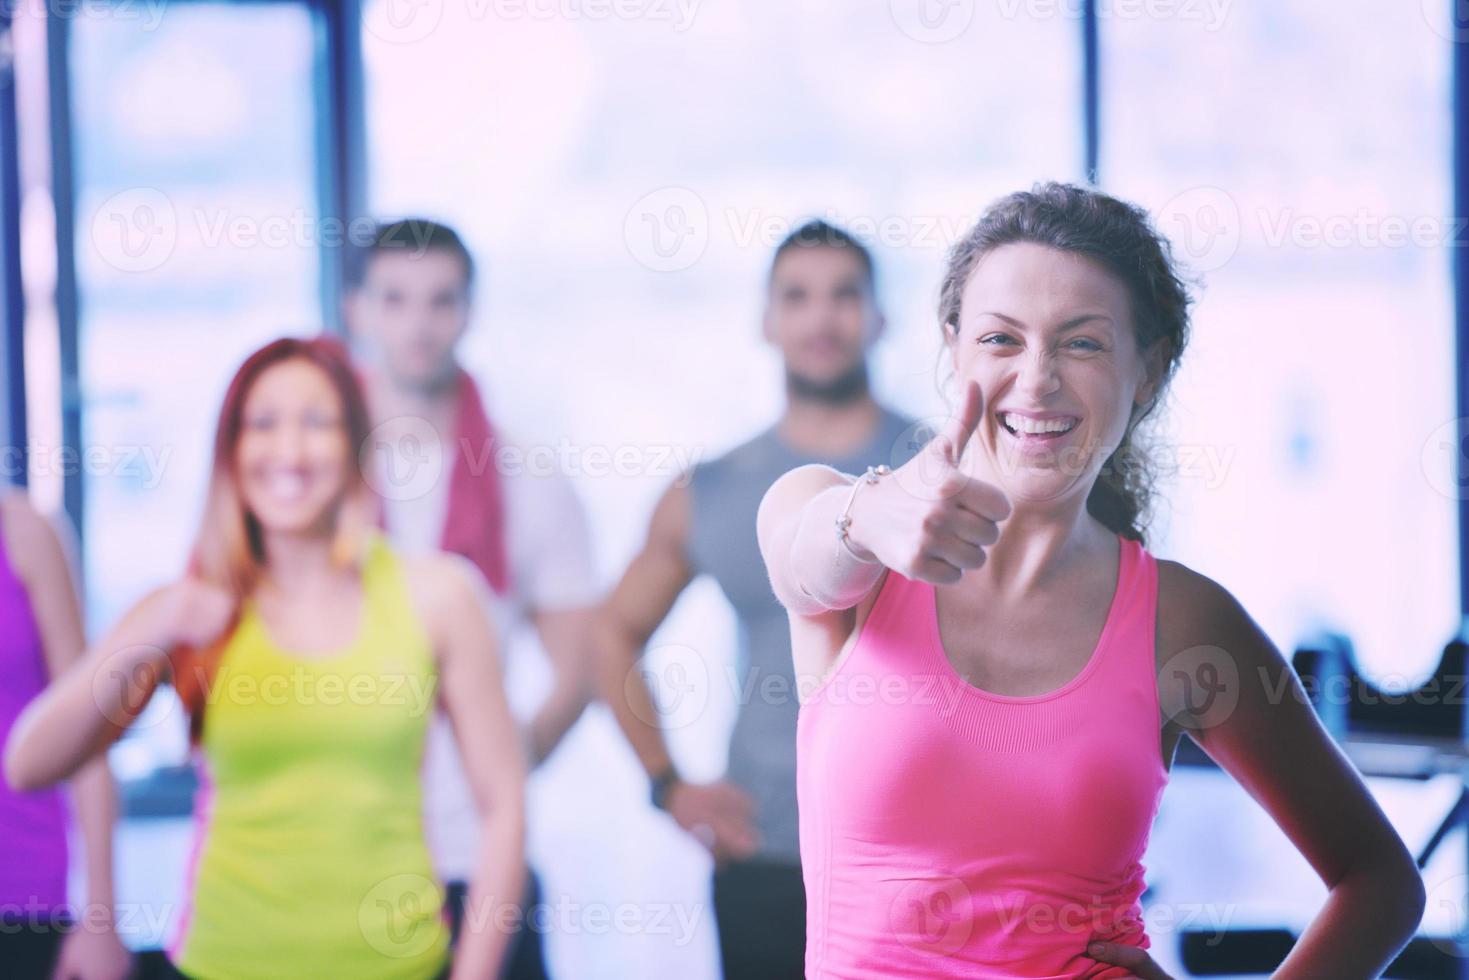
{"type": "Point", "coordinates": [310, 657]}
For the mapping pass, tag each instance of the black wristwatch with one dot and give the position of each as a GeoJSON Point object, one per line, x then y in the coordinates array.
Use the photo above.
{"type": "Point", "coordinates": [662, 784]}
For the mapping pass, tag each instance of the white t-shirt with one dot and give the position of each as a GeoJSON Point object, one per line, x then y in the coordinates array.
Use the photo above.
{"type": "Point", "coordinates": [551, 567]}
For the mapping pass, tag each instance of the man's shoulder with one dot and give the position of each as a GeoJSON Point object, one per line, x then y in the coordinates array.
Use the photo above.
{"type": "Point", "coordinates": [750, 452]}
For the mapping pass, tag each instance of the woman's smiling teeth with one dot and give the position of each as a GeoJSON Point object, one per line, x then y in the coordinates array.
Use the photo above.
{"type": "Point", "coordinates": [288, 486]}
{"type": "Point", "coordinates": [1025, 425]}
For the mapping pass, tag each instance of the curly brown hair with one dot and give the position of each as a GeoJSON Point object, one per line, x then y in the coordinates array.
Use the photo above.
{"type": "Point", "coordinates": [1121, 237]}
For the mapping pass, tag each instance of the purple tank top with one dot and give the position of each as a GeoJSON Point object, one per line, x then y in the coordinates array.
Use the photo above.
{"type": "Point", "coordinates": [32, 825]}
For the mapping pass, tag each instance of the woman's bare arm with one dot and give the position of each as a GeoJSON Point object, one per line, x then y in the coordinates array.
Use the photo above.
{"type": "Point", "coordinates": [453, 596]}
{"type": "Point", "coordinates": [810, 571]}
{"type": "Point", "coordinates": [1270, 740]}
{"type": "Point", "coordinates": [48, 571]}
{"type": "Point", "coordinates": [927, 520]}
{"type": "Point", "coordinates": [91, 703]}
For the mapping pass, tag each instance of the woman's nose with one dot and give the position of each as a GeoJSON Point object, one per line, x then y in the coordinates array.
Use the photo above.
{"type": "Point", "coordinates": [1038, 375]}
{"type": "Point", "coordinates": [289, 445]}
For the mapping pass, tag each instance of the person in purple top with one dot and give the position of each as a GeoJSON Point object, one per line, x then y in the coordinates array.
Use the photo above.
{"type": "Point", "coordinates": [41, 936]}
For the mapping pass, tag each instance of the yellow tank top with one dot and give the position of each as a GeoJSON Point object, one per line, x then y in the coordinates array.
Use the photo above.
{"type": "Point", "coordinates": [309, 852]}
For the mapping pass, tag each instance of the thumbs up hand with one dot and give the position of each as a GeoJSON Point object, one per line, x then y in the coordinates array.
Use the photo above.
{"type": "Point", "coordinates": [930, 520]}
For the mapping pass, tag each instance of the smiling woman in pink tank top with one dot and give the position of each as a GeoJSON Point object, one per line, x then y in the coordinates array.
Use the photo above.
{"type": "Point", "coordinates": [995, 671]}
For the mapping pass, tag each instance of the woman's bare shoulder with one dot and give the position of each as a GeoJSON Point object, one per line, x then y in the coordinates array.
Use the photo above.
{"type": "Point", "coordinates": [34, 545]}
{"type": "Point", "coordinates": [1191, 604]}
{"type": "Point", "coordinates": [444, 589]}
{"type": "Point", "coordinates": [1200, 622]}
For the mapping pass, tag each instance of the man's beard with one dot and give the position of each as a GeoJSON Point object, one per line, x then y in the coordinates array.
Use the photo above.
{"type": "Point", "coordinates": [840, 390]}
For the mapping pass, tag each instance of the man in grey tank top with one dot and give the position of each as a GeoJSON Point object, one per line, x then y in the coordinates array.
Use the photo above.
{"type": "Point", "coordinates": [822, 315]}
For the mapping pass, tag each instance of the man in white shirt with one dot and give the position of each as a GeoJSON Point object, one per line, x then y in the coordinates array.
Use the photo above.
{"type": "Point", "coordinates": [451, 481]}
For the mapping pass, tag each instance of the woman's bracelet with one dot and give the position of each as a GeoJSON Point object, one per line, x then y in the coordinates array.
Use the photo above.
{"type": "Point", "coordinates": [844, 521]}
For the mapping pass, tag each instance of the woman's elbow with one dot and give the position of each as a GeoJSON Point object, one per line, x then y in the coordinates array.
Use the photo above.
{"type": "Point", "coordinates": [1396, 886]}
{"type": "Point", "coordinates": [1412, 898]}
{"type": "Point", "coordinates": [21, 771]}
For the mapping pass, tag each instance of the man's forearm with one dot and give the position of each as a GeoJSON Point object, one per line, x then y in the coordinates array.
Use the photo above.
{"type": "Point", "coordinates": [554, 719]}
{"type": "Point", "coordinates": [568, 638]}
{"type": "Point", "coordinates": [625, 689]}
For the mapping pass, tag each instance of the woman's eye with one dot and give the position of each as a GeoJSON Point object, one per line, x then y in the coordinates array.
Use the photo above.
{"type": "Point", "coordinates": [995, 339]}
{"type": "Point", "coordinates": [1086, 344]}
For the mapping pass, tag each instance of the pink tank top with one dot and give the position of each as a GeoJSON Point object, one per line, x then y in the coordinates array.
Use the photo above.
{"type": "Point", "coordinates": [950, 832]}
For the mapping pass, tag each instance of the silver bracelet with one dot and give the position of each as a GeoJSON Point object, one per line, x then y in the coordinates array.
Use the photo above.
{"type": "Point", "coordinates": [844, 521]}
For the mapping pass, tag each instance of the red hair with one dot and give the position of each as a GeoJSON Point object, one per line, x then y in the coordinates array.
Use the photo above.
{"type": "Point", "coordinates": [229, 550]}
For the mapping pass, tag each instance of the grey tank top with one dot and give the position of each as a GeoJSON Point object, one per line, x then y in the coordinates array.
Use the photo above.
{"type": "Point", "coordinates": [726, 493]}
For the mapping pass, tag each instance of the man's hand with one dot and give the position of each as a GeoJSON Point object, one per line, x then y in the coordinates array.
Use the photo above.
{"type": "Point", "coordinates": [719, 814]}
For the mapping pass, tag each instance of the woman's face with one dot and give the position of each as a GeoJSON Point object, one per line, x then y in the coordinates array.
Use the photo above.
{"type": "Point", "coordinates": [1048, 335]}
{"type": "Point", "coordinates": [292, 456]}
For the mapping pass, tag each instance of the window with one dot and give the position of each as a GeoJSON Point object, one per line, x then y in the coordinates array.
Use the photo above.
{"type": "Point", "coordinates": [624, 182]}
{"type": "Point", "coordinates": [1301, 164]}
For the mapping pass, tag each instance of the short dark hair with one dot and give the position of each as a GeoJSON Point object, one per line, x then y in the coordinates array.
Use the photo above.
{"type": "Point", "coordinates": [818, 233]}
{"type": "Point", "coordinates": [415, 235]}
